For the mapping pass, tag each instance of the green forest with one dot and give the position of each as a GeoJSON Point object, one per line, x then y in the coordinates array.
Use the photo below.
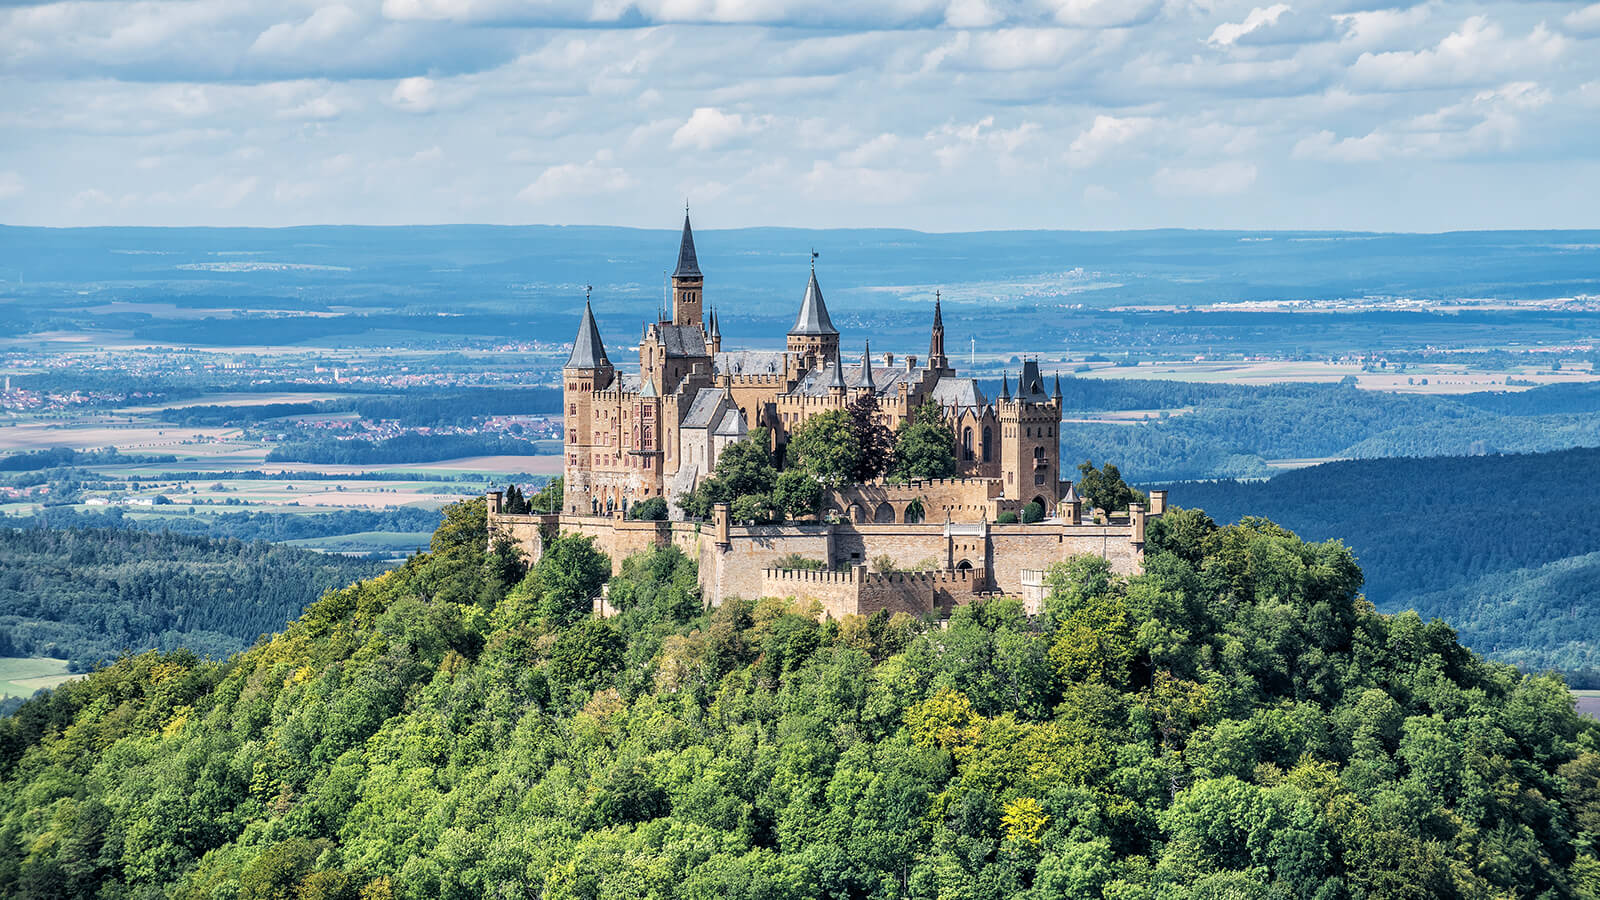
{"type": "Point", "coordinates": [1234, 723]}
{"type": "Point", "coordinates": [1465, 539]}
{"type": "Point", "coordinates": [1231, 431]}
{"type": "Point", "coordinates": [89, 595]}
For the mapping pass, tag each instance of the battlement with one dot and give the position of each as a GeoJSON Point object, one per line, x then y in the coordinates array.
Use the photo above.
{"type": "Point", "coordinates": [856, 591]}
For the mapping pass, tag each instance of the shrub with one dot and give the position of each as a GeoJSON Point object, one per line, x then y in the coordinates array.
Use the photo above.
{"type": "Point", "coordinates": [1032, 513]}
{"type": "Point", "coordinates": [652, 510]}
{"type": "Point", "coordinates": [1006, 518]}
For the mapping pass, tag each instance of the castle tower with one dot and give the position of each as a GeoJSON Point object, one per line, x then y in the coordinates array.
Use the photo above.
{"type": "Point", "coordinates": [813, 335]}
{"type": "Point", "coordinates": [867, 386]}
{"type": "Point", "coordinates": [937, 361]}
{"type": "Point", "coordinates": [1030, 443]}
{"type": "Point", "coordinates": [716, 339]}
{"type": "Point", "coordinates": [687, 282]}
{"type": "Point", "coordinates": [588, 370]}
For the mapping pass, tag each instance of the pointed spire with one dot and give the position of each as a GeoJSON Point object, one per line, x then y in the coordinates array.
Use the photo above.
{"type": "Point", "coordinates": [938, 316]}
{"type": "Point", "coordinates": [936, 357]}
{"type": "Point", "coordinates": [1005, 387]}
{"type": "Point", "coordinates": [588, 351]}
{"type": "Point", "coordinates": [688, 265]}
{"type": "Point", "coordinates": [716, 329]}
{"type": "Point", "coordinates": [866, 368]}
{"type": "Point", "coordinates": [838, 374]}
{"type": "Point", "coordinates": [1057, 394]}
{"type": "Point", "coordinates": [813, 318]}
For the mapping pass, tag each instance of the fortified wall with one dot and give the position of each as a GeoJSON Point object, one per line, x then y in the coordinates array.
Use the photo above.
{"type": "Point", "coordinates": [952, 562]}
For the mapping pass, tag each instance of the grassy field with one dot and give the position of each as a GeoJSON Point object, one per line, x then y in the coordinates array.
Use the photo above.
{"type": "Point", "coordinates": [1588, 703]}
{"type": "Point", "coordinates": [21, 676]}
{"type": "Point", "coordinates": [393, 543]}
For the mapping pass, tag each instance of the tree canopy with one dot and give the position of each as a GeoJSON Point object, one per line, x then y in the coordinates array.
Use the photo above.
{"type": "Point", "coordinates": [924, 445]}
{"type": "Point", "coordinates": [1234, 722]}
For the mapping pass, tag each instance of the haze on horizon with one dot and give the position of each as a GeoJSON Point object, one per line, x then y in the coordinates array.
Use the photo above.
{"type": "Point", "coordinates": [941, 115]}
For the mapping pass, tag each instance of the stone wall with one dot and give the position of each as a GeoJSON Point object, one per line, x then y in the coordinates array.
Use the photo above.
{"type": "Point", "coordinates": [855, 591]}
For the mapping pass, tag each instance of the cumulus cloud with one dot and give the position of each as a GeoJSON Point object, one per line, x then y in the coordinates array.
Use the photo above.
{"type": "Point", "coordinates": [1210, 181]}
{"type": "Point", "coordinates": [315, 31]}
{"type": "Point", "coordinates": [577, 180]}
{"type": "Point", "coordinates": [1478, 52]}
{"type": "Point", "coordinates": [964, 112]}
{"type": "Point", "coordinates": [414, 94]}
{"type": "Point", "coordinates": [1108, 133]}
{"type": "Point", "coordinates": [1260, 17]}
{"type": "Point", "coordinates": [1489, 122]}
{"type": "Point", "coordinates": [709, 128]}
{"type": "Point", "coordinates": [1584, 21]}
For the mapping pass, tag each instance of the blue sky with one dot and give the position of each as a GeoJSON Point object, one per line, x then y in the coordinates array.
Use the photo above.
{"type": "Point", "coordinates": [941, 115]}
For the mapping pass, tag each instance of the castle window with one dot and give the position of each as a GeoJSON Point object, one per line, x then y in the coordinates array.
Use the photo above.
{"type": "Point", "coordinates": [966, 444]}
{"type": "Point", "coordinates": [987, 437]}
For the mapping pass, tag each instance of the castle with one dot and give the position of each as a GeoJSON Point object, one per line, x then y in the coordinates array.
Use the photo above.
{"type": "Point", "coordinates": [657, 432]}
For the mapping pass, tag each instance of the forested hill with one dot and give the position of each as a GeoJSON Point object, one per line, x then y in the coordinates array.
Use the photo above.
{"type": "Point", "coordinates": [90, 594]}
{"type": "Point", "coordinates": [1430, 533]}
{"type": "Point", "coordinates": [1234, 723]}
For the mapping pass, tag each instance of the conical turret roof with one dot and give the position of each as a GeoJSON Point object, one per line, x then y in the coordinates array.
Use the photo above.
{"type": "Point", "coordinates": [688, 265]}
{"type": "Point", "coordinates": [838, 373]}
{"type": "Point", "coordinates": [588, 351]}
{"type": "Point", "coordinates": [1005, 387]}
{"type": "Point", "coordinates": [813, 319]}
{"type": "Point", "coordinates": [866, 367]}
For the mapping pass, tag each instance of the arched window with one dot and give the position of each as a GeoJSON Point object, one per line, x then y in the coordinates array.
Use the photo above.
{"type": "Point", "coordinates": [966, 443]}
{"type": "Point", "coordinates": [964, 566]}
{"type": "Point", "coordinates": [884, 514]}
{"type": "Point", "coordinates": [987, 435]}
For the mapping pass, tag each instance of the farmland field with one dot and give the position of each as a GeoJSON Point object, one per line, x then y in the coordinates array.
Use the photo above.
{"type": "Point", "coordinates": [20, 676]}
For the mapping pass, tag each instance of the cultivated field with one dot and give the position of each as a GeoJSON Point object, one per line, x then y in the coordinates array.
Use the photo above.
{"type": "Point", "coordinates": [21, 676]}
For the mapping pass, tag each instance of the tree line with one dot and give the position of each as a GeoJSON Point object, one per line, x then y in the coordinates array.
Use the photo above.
{"type": "Point", "coordinates": [1233, 722]}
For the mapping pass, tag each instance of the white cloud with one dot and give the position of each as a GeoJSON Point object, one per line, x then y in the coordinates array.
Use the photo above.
{"type": "Point", "coordinates": [1104, 13]}
{"type": "Point", "coordinates": [1489, 122]}
{"type": "Point", "coordinates": [431, 155]}
{"type": "Point", "coordinates": [11, 184]}
{"type": "Point", "coordinates": [577, 180]}
{"type": "Point", "coordinates": [1478, 52]}
{"type": "Point", "coordinates": [317, 30]}
{"type": "Point", "coordinates": [1584, 21]}
{"type": "Point", "coordinates": [1106, 134]}
{"type": "Point", "coordinates": [1211, 181]}
{"type": "Point", "coordinates": [414, 94]}
{"type": "Point", "coordinates": [1379, 27]}
{"type": "Point", "coordinates": [709, 128]}
{"type": "Point", "coordinates": [1228, 32]}
{"type": "Point", "coordinates": [1006, 50]}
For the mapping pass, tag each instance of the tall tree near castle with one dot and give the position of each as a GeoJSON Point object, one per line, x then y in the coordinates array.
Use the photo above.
{"type": "Point", "coordinates": [924, 445]}
{"type": "Point", "coordinates": [827, 448]}
{"type": "Point", "coordinates": [872, 436]}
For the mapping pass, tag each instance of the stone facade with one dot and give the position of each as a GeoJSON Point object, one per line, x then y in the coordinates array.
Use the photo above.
{"type": "Point", "coordinates": [657, 431]}
{"type": "Point", "coordinates": [953, 562]}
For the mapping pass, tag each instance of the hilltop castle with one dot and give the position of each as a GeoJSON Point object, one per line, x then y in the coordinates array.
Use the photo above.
{"type": "Point", "coordinates": [657, 432]}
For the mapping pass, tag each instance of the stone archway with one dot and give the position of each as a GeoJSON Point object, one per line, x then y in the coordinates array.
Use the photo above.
{"type": "Point", "coordinates": [856, 514]}
{"type": "Point", "coordinates": [964, 566]}
{"type": "Point", "coordinates": [884, 514]}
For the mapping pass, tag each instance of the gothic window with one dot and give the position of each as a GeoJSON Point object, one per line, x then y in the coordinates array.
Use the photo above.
{"type": "Point", "coordinates": [966, 444]}
{"type": "Point", "coordinates": [986, 440]}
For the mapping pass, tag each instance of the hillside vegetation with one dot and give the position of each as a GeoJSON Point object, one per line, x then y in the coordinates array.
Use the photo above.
{"type": "Point", "coordinates": [1235, 723]}
{"type": "Point", "coordinates": [1451, 537]}
{"type": "Point", "coordinates": [91, 594]}
{"type": "Point", "coordinates": [1231, 431]}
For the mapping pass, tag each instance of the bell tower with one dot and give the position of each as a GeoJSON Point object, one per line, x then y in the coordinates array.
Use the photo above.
{"type": "Point", "coordinates": [687, 282]}
{"type": "Point", "coordinates": [937, 361]}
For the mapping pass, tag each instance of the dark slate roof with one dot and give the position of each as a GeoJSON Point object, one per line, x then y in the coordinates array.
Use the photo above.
{"type": "Point", "coordinates": [681, 340]}
{"type": "Point", "coordinates": [961, 392]}
{"type": "Point", "coordinates": [630, 382]}
{"type": "Point", "coordinates": [885, 380]}
{"type": "Point", "coordinates": [688, 265]}
{"type": "Point", "coordinates": [588, 351]}
{"type": "Point", "coordinates": [813, 318]}
{"type": "Point", "coordinates": [866, 367]}
{"type": "Point", "coordinates": [706, 403]}
{"type": "Point", "coordinates": [750, 362]}
{"type": "Point", "coordinates": [732, 424]}
{"type": "Point", "coordinates": [1030, 387]}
